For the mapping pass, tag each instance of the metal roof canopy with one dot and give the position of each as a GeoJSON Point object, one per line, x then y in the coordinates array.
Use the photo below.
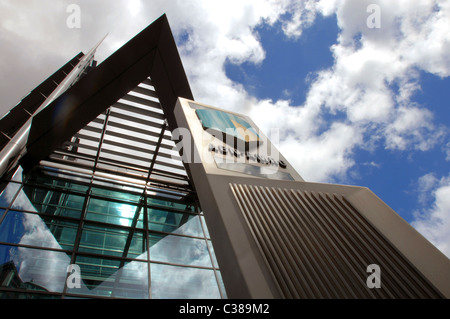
{"type": "Point", "coordinates": [152, 53]}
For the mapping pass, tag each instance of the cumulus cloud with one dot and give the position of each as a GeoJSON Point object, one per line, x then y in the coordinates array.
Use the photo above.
{"type": "Point", "coordinates": [434, 222]}
{"type": "Point", "coordinates": [374, 76]}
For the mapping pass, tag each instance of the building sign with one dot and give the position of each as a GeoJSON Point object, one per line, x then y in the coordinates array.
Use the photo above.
{"type": "Point", "coordinates": [237, 146]}
{"type": "Point", "coordinates": [251, 157]}
{"type": "Point", "coordinates": [227, 123]}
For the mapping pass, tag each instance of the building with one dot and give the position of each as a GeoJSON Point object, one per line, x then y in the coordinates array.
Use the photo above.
{"type": "Point", "coordinates": [116, 183]}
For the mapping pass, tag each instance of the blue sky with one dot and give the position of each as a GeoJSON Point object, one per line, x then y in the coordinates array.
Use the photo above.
{"type": "Point", "coordinates": [354, 105]}
{"type": "Point", "coordinates": [285, 74]}
{"type": "Point", "coordinates": [289, 63]}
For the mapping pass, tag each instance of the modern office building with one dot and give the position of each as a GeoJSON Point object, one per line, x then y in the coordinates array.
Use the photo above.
{"type": "Point", "coordinates": [116, 183]}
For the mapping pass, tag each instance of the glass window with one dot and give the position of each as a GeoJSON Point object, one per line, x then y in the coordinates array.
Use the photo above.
{"type": "Point", "coordinates": [213, 254]}
{"type": "Point", "coordinates": [221, 284]}
{"type": "Point", "coordinates": [33, 269]}
{"type": "Point", "coordinates": [171, 222]}
{"type": "Point", "coordinates": [8, 194]}
{"type": "Point", "coordinates": [56, 182]}
{"type": "Point", "coordinates": [32, 229]}
{"type": "Point", "coordinates": [18, 175]}
{"type": "Point", "coordinates": [169, 204]}
{"type": "Point", "coordinates": [179, 250]}
{"type": "Point", "coordinates": [114, 242]}
{"type": "Point", "coordinates": [118, 195]}
{"type": "Point", "coordinates": [112, 278]}
{"type": "Point", "coordinates": [202, 218]}
{"type": "Point", "coordinates": [49, 202]}
{"type": "Point", "coordinates": [114, 213]}
{"type": "Point", "coordinates": [175, 282]}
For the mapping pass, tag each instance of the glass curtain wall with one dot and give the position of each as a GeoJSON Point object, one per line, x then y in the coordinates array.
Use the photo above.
{"type": "Point", "coordinates": [124, 243]}
{"type": "Point", "coordinates": [111, 214]}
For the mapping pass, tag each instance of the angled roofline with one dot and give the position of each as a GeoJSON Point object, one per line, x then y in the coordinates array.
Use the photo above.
{"type": "Point", "coordinates": [12, 121]}
{"type": "Point", "coordinates": [152, 53]}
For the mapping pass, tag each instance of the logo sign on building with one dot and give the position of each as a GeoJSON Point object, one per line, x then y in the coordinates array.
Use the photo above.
{"type": "Point", "coordinates": [237, 146]}
{"type": "Point", "coordinates": [227, 123]}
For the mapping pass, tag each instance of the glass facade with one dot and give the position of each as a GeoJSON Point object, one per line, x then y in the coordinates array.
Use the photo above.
{"type": "Point", "coordinates": [111, 213]}
{"type": "Point", "coordinates": [65, 234]}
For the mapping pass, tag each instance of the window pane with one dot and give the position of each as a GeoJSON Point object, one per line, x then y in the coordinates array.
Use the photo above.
{"type": "Point", "coordinates": [179, 250]}
{"type": "Point", "coordinates": [49, 202]}
{"type": "Point", "coordinates": [33, 269]}
{"type": "Point", "coordinates": [112, 278]}
{"type": "Point", "coordinates": [114, 242]}
{"type": "Point", "coordinates": [170, 222]}
{"type": "Point", "coordinates": [213, 254]}
{"type": "Point", "coordinates": [32, 229]}
{"type": "Point", "coordinates": [113, 213]}
{"type": "Point", "coordinates": [202, 218]}
{"type": "Point", "coordinates": [8, 194]}
{"type": "Point", "coordinates": [221, 284]}
{"type": "Point", "coordinates": [168, 204]}
{"type": "Point", "coordinates": [59, 183]}
{"type": "Point", "coordinates": [174, 282]}
{"type": "Point", "coordinates": [118, 195]}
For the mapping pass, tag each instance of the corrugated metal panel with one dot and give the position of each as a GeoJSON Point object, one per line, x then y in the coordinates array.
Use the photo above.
{"type": "Point", "coordinates": [317, 245]}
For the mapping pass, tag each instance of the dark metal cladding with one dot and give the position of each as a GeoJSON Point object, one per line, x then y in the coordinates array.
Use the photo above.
{"type": "Point", "coordinates": [22, 112]}
{"type": "Point", "coordinates": [152, 53]}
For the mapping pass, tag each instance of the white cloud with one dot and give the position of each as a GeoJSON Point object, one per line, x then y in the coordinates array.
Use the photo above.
{"type": "Point", "coordinates": [434, 222]}
{"type": "Point", "coordinates": [368, 62]}
{"type": "Point", "coordinates": [414, 126]}
{"type": "Point", "coordinates": [374, 76]}
{"type": "Point", "coordinates": [426, 184]}
{"type": "Point", "coordinates": [321, 157]}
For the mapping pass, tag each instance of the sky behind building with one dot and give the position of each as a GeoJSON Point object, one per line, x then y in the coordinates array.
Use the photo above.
{"type": "Point", "coordinates": [358, 89]}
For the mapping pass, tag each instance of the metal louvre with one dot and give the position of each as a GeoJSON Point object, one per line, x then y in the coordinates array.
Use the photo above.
{"type": "Point", "coordinates": [317, 245]}
{"type": "Point", "coordinates": [128, 143]}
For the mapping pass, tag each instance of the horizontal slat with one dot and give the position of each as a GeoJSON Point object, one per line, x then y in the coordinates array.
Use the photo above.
{"type": "Point", "coordinates": [145, 91]}
{"type": "Point", "coordinates": [123, 126]}
{"type": "Point", "coordinates": [142, 101]}
{"type": "Point", "coordinates": [136, 139]}
{"type": "Point", "coordinates": [135, 119]}
{"type": "Point", "coordinates": [137, 110]}
{"type": "Point", "coordinates": [148, 82]}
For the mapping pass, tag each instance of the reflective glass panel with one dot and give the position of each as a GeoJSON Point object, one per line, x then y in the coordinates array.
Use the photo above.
{"type": "Point", "coordinates": [114, 213]}
{"type": "Point", "coordinates": [33, 269]}
{"type": "Point", "coordinates": [49, 202]}
{"type": "Point", "coordinates": [174, 282]}
{"type": "Point", "coordinates": [113, 241]}
{"type": "Point", "coordinates": [221, 285]}
{"type": "Point", "coordinates": [179, 250]}
{"type": "Point", "coordinates": [202, 218]}
{"type": "Point", "coordinates": [35, 230]}
{"type": "Point", "coordinates": [213, 254]}
{"type": "Point", "coordinates": [112, 278]}
{"type": "Point", "coordinates": [8, 194]}
{"type": "Point", "coordinates": [118, 195]}
{"type": "Point", "coordinates": [59, 183]}
{"type": "Point", "coordinates": [171, 222]}
{"type": "Point", "coordinates": [168, 204]}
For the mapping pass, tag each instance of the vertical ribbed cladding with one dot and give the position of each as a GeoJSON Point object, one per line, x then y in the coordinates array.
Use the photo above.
{"type": "Point", "coordinates": [317, 245]}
